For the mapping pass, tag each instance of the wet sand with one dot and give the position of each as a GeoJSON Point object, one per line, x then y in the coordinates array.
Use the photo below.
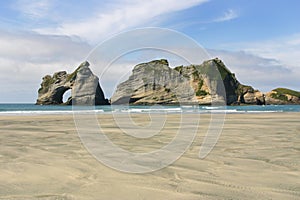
{"type": "Point", "coordinates": [257, 157]}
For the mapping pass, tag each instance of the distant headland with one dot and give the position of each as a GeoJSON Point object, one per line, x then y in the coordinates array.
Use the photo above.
{"type": "Point", "coordinates": [156, 83]}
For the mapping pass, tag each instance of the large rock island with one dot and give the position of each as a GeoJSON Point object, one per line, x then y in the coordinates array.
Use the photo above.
{"type": "Point", "coordinates": [156, 82]}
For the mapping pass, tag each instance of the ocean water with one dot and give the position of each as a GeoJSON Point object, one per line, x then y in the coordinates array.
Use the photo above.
{"type": "Point", "coordinates": [31, 109]}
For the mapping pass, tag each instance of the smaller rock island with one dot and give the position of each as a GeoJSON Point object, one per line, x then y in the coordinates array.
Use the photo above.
{"type": "Point", "coordinates": [84, 86]}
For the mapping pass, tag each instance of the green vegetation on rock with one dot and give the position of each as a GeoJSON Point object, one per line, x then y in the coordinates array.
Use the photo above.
{"type": "Point", "coordinates": [279, 96]}
{"type": "Point", "coordinates": [201, 93]}
{"type": "Point", "coordinates": [73, 75]}
{"type": "Point", "coordinates": [284, 91]}
{"type": "Point", "coordinates": [47, 82]}
{"type": "Point", "coordinates": [242, 89]}
{"type": "Point", "coordinates": [196, 75]}
{"type": "Point", "coordinates": [200, 84]}
{"type": "Point", "coordinates": [179, 68]}
{"type": "Point", "coordinates": [164, 62]}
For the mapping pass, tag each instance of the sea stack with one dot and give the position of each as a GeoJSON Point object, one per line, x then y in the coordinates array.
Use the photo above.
{"type": "Point", "coordinates": [84, 86]}
{"type": "Point", "coordinates": [156, 83]}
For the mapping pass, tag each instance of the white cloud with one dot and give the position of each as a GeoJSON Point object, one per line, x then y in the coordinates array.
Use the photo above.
{"type": "Point", "coordinates": [271, 63]}
{"type": "Point", "coordinates": [28, 46]}
{"type": "Point", "coordinates": [260, 72]}
{"type": "Point", "coordinates": [119, 17]}
{"type": "Point", "coordinates": [26, 57]}
{"type": "Point", "coordinates": [286, 50]}
{"type": "Point", "coordinates": [228, 15]}
{"type": "Point", "coordinates": [34, 9]}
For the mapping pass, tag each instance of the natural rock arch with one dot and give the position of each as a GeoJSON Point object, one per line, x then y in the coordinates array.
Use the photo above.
{"type": "Point", "coordinates": [84, 86]}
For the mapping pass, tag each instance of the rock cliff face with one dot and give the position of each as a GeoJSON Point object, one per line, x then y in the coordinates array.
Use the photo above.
{"type": "Point", "coordinates": [156, 83]}
{"type": "Point", "coordinates": [84, 86]}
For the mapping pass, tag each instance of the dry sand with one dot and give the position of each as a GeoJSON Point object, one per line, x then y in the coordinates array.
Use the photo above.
{"type": "Point", "coordinates": [256, 157]}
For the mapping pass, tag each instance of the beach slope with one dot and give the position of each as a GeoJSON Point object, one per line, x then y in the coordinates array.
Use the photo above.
{"type": "Point", "coordinates": [256, 157]}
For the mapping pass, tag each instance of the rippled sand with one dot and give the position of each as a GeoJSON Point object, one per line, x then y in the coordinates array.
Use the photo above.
{"type": "Point", "coordinates": [256, 157]}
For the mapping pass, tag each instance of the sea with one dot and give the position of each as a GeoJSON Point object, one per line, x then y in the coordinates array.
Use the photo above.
{"type": "Point", "coordinates": [31, 109]}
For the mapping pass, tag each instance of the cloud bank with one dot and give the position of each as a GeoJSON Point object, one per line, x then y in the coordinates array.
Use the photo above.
{"type": "Point", "coordinates": [26, 57]}
{"type": "Point", "coordinates": [119, 17]}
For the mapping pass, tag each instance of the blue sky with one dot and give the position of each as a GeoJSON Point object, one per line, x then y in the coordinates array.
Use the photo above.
{"type": "Point", "coordinates": [259, 40]}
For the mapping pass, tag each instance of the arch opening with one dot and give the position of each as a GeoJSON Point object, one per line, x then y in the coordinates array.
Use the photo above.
{"type": "Point", "coordinates": [67, 96]}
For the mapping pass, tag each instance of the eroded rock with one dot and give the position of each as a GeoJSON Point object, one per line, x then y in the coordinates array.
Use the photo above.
{"type": "Point", "coordinates": [156, 83]}
{"type": "Point", "coordinates": [84, 86]}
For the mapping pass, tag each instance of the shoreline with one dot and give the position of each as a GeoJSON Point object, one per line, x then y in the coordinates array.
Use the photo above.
{"type": "Point", "coordinates": [101, 112]}
{"type": "Point", "coordinates": [154, 113]}
{"type": "Point", "coordinates": [29, 109]}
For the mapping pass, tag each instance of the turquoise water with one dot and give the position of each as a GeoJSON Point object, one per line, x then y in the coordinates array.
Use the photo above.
{"type": "Point", "coordinates": [15, 109]}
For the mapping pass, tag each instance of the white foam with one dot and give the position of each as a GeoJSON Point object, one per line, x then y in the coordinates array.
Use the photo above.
{"type": "Point", "coordinates": [221, 111]}
{"type": "Point", "coordinates": [264, 111]}
{"type": "Point", "coordinates": [50, 112]}
{"type": "Point", "coordinates": [212, 107]}
{"type": "Point", "coordinates": [150, 110]}
{"type": "Point", "coordinates": [136, 110]}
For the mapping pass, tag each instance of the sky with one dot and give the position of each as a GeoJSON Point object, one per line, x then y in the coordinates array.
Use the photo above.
{"type": "Point", "coordinates": [258, 40]}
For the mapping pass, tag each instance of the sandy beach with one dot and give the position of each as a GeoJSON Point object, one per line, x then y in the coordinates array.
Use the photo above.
{"type": "Point", "coordinates": [256, 157]}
